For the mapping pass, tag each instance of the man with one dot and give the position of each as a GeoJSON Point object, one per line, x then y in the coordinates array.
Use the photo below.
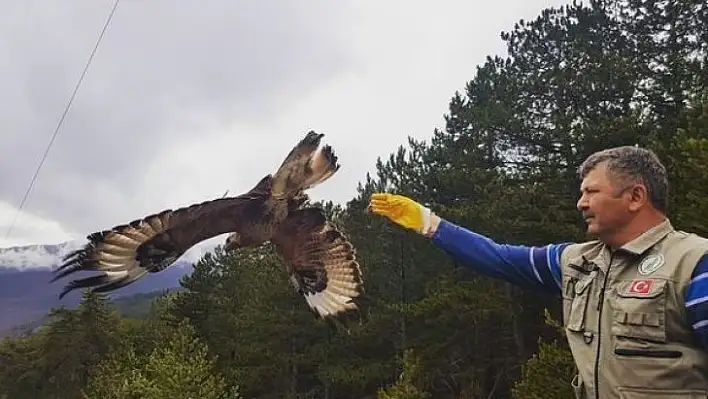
{"type": "Point", "coordinates": [635, 300]}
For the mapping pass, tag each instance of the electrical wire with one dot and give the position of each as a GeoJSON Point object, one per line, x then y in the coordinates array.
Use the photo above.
{"type": "Point", "coordinates": [61, 120]}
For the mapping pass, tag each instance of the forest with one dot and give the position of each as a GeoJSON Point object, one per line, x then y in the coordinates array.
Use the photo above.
{"type": "Point", "coordinates": [575, 80]}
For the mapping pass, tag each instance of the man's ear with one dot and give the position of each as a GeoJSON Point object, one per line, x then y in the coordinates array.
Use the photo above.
{"type": "Point", "coordinates": [638, 197]}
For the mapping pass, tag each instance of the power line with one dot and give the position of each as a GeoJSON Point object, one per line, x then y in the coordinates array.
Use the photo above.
{"type": "Point", "coordinates": [61, 120]}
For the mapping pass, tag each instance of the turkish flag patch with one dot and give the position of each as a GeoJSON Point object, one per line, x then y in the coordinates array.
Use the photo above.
{"type": "Point", "coordinates": [641, 286]}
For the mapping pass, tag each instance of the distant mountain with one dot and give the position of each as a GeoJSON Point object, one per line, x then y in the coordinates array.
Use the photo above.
{"type": "Point", "coordinates": [25, 292]}
{"type": "Point", "coordinates": [26, 295]}
{"type": "Point", "coordinates": [36, 256]}
{"type": "Point", "coordinates": [135, 306]}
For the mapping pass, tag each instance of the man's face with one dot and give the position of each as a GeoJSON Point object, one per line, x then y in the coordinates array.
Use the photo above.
{"type": "Point", "coordinates": [605, 206]}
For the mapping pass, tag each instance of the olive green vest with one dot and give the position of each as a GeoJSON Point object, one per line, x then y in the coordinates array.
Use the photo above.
{"type": "Point", "coordinates": [624, 317]}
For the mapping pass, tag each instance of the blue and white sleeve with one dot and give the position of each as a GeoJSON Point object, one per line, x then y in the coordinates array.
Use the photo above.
{"type": "Point", "coordinates": [697, 301]}
{"type": "Point", "coordinates": [531, 267]}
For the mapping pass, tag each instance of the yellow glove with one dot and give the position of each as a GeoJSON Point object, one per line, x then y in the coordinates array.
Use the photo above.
{"type": "Point", "coordinates": [402, 211]}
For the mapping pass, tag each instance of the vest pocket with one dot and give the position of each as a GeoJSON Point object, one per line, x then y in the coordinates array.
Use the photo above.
{"type": "Point", "coordinates": [639, 310]}
{"type": "Point", "coordinates": [656, 353]}
{"type": "Point", "coordinates": [640, 393]}
{"type": "Point", "coordinates": [577, 297]}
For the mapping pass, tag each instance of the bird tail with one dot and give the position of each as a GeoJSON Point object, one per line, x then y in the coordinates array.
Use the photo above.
{"type": "Point", "coordinates": [306, 166]}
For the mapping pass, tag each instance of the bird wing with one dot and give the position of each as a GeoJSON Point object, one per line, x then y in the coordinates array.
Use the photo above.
{"type": "Point", "coordinates": [321, 261]}
{"type": "Point", "coordinates": [150, 244]}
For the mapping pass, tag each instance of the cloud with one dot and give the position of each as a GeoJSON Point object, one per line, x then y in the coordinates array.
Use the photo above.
{"type": "Point", "coordinates": [185, 100]}
{"type": "Point", "coordinates": [31, 227]}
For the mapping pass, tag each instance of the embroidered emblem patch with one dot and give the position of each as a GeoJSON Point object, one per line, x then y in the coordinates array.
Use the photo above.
{"type": "Point", "coordinates": [651, 264]}
{"type": "Point", "coordinates": [641, 286]}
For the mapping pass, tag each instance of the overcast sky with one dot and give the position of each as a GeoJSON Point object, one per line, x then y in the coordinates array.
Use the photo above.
{"type": "Point", "coordinates": [187, 99]}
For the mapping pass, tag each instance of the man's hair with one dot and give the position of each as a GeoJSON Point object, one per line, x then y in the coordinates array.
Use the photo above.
{"type": "Point", "coordinates": [634, 165]}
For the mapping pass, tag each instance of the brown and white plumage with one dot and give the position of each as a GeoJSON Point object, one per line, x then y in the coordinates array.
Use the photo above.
{"type": "Point", "coordinates": [319, 258]}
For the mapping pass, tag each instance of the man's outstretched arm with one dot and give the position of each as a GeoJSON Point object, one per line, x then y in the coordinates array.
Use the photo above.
{"type": "Point", "coordinates": [529, 267]}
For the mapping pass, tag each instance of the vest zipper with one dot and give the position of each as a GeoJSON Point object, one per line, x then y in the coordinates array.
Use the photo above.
{"type": "Point", "coordinates": [600, 305]}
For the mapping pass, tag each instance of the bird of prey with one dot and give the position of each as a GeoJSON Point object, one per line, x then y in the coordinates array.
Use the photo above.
{"type": "Point", "coordinates": [319, 258]}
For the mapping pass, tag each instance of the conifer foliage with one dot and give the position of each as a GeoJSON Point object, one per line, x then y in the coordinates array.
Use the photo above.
{"type": "Point", "coordinates": [576, 79]}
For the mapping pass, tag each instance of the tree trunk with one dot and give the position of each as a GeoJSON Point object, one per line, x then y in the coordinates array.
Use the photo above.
{"type": "Point", "coordinates": [517, 329]}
